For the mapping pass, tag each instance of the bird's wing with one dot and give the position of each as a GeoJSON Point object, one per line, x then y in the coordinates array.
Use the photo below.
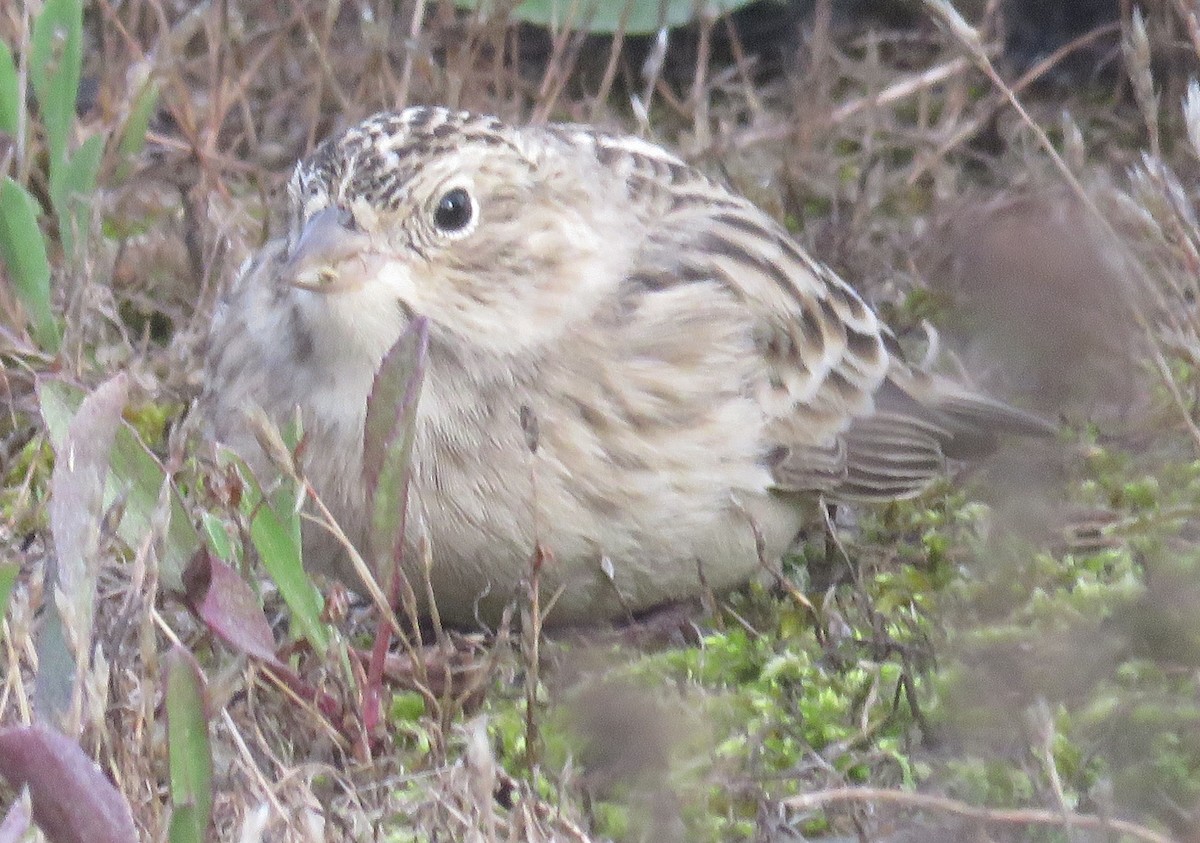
{"type": "Point", "coordinates": [845, 413]}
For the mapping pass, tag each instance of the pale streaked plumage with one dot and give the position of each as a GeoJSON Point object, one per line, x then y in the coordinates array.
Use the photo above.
{"type": "Point", "coordinates": [692, 370]}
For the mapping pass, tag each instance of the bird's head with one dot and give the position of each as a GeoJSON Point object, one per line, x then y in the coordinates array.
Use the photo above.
{"type": "Point", "coordinates": [501, 236]}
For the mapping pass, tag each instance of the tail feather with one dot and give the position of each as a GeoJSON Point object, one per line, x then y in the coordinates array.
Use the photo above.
{"type": "Point", "coordinates": [896, 451]}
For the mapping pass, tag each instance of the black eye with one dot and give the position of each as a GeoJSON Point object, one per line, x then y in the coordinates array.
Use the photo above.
{"type": "Point", "coordinates": [453, 212]}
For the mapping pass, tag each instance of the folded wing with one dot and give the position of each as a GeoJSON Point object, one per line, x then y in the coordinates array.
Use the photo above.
{"type": "Point", "coordinates": [845, 414]}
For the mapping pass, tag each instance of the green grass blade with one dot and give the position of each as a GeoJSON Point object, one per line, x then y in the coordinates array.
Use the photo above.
{"type": "Point", "coordinates": [24, 251]}
{"type": "Point", "coordinates": [55, 66]}
{"type": "Point", "coordinates": [8, 578]}
{"type": "Point", "coordinates": [189, 751]}
{"type": "Point", "coordinates": [276, 535]}
{"type": "Point", "coordinates": [133, 135]}
{"type": "Point", "coordinates": [274, 539]}
{"type": "Point", "coordinates": [10, 92]}
{"type": "Point", "coordinates": [71, 189]}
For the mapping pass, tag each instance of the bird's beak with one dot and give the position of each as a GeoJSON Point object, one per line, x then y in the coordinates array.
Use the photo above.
{"type": "Point", "coordinates": [327, 255]}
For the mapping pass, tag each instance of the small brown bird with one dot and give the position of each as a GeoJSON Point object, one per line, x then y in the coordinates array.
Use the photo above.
{"type": "Point", "coordinates": [695, 375]}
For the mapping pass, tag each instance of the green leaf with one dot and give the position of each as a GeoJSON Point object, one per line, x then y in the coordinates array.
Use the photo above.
{"type": "Point", "coordinates": [56, 666]}
{"type": "Point", "coordinates": [217, 535]}
{"type": "Point", "coordinates": [10, 92]}
{"type": "Point", "coordinates": [228, 606]}
{"type": "Point", "coordinates": [604, 16]}
{"type": "Point", "coordinates": [24, 251]}
{"type": "Point", "coordinates": [8, 578]}
{"type": "Point", "coordinates": [133, 135]}
{"type": "Point", "coordinates": [55, 67]}
{"type": "Point", "coordinates": [276, 534]}
{"type": "Point", "coordinates": [275, 541]}
{"type": "Point", "coordinates": [188, 748]}
{"type": "Point", "coordinates": [387, 439]}
{"type": "Point", "coordinates": [75, 510]}
{"type": "Point", "coordinates": [136, 474]}
{"type": "Point", "coordinates": [71, 192]}
{"type": "Point", "coordinates": [287, 492]}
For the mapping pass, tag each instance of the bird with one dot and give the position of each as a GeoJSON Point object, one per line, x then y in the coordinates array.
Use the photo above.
{"type": "Point", "coordinates": [701, 385]}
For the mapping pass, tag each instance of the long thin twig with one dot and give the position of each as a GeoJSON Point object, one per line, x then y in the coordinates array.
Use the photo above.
{"type": "Point", "coordinates": [990, 816]}
{"type": "Point", "coordinates": [414, 30]}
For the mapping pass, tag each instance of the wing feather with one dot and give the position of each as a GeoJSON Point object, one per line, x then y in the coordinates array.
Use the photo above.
{"type": "Point", "coordinates": [844, 413]}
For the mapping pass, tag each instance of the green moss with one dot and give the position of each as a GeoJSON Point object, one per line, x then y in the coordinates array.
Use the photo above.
{"type": "Point", "coordinates": [150, 420]}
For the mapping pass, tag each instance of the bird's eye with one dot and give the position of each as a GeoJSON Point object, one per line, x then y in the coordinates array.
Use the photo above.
{"type": "Point", "coordinates": [454, 210]}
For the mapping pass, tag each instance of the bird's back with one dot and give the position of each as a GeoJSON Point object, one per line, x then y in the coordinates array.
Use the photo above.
{"type": "Point", "coordinates": [844, 413]}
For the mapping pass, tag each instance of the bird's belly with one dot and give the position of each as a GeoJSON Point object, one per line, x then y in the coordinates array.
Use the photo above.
{"type": "Point", "coordinates": [626, 519]}
{"type": "Point", "coordinates": [613, 541]}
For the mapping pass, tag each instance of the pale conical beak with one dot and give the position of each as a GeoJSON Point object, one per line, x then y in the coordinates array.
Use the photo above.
{"type": "Point", "coordinates": [327, 256]}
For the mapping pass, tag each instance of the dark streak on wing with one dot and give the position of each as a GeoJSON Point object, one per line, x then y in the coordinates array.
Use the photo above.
{"type": "Point", "coordinates": [852, 301]}
{"type": "Point", "coordinates": [652, 282]}
{"type": "Point", "coordinates": [837, 382]}
{"type": "Point", "coordinates": [723, 245]}
{"type": "Point", "coordinates": [739, 223]}
{"type": "Point", "coordinates": [891, 345]}
{"type": "Point", "coordinates": [829, 312]}
{"type": "Point", "coordinates": [812, 325]}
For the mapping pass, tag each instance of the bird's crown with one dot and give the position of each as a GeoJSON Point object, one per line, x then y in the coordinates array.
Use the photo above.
{"type": "Point", "coordinates": [376, 160]}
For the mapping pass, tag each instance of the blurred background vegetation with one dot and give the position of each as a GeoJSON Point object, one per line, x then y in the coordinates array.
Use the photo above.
{"type": "Point", "coordinates": [1014, 656]}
